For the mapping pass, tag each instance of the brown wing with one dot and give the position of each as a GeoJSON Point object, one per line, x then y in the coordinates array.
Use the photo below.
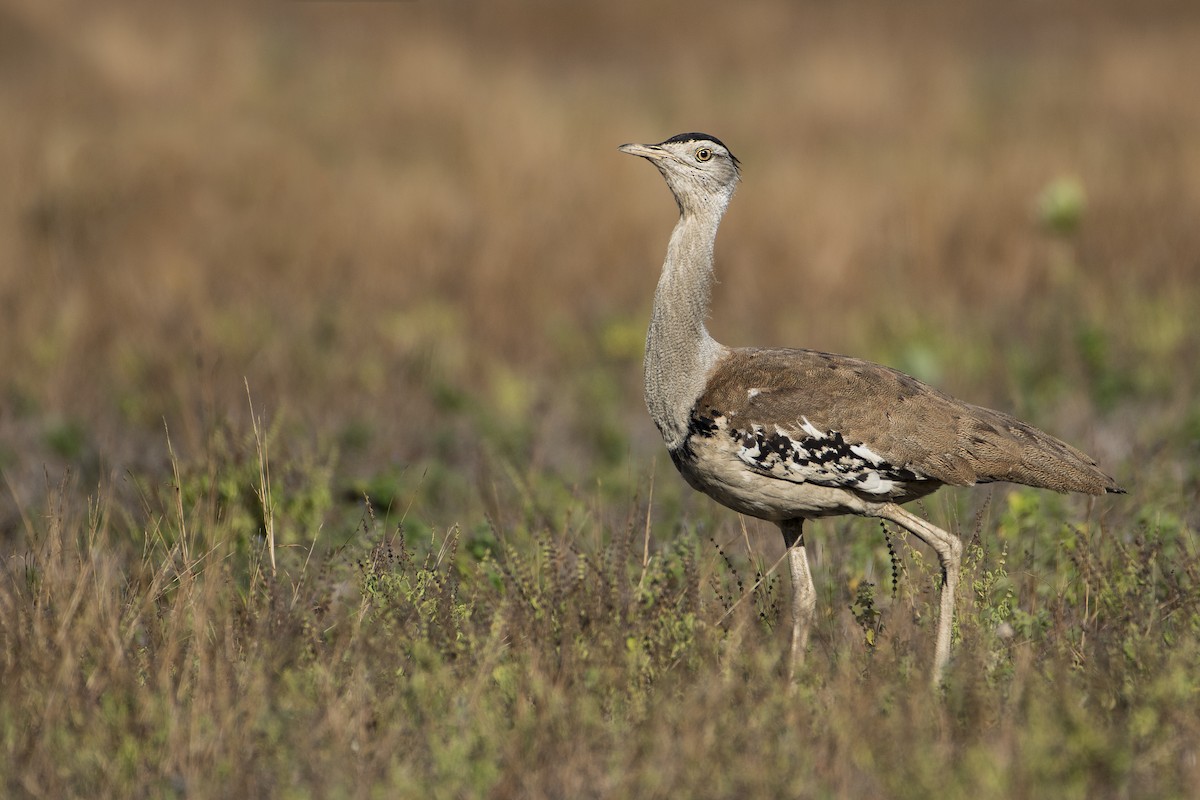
{"type": "Point", "coordinates": [907, 423]}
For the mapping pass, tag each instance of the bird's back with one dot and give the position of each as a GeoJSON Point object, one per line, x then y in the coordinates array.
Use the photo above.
{"type": "Point", "coordinates": [793, 411]}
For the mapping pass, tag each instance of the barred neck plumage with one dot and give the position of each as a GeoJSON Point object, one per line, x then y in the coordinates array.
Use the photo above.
{"type": "Point", "coordinates": [679, 350]}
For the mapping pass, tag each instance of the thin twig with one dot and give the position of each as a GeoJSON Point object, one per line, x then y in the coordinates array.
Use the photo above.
{"type": "Point", "coordinates": [183, 539]}
{"type": "Point", "coordinates": [264, 481]}
{"type": "Point", "coordinates": [646, 532]}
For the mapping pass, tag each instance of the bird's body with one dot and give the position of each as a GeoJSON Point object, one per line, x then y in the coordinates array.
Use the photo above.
{"type": "Point", "coordinates": [787, 435]}
{"type": "Point", "coordinates": [773, 424]}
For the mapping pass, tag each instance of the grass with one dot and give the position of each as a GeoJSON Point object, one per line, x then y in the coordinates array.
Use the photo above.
{"type": "Point", "coordinates": [537, 665]}
{"type": "Point", "coordinates": [325, 467]}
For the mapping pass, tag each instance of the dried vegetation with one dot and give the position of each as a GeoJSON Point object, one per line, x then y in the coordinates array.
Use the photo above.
{"type": "Point", "coordinates": [444, 555]}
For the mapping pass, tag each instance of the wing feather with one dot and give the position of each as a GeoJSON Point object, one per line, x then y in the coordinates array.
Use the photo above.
{"type": "Point", "coordinates": [788, 405]}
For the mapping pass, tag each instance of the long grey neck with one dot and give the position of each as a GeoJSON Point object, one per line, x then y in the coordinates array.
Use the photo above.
{"type": "Point", "coordinates": [679, 351]}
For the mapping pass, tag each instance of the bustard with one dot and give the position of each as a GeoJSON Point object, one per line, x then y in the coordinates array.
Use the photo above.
{"type": "Point", "coordinates": [789, 435]}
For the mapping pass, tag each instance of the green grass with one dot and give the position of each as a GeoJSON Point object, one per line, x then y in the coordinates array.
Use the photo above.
{"type": "Point", "coordinates": [442, 553]}
{"type": "Point", "coordinates": [383, 658]}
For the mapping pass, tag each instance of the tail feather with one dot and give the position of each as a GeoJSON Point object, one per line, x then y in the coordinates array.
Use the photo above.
{"type": "Point", "coordinates": [1002, 448]}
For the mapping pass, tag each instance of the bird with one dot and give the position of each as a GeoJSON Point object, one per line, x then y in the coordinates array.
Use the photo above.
{"type": "Point", "coordinates": [789, 435]}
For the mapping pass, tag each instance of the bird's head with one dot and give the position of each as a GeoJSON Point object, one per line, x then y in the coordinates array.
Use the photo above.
{"type": "Point", "coordinates": [699, 168]}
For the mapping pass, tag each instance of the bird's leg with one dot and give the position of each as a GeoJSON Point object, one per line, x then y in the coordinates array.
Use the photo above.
{"type": "Point", "coordinates": [949, 551]}
{"type": "Point", "coordinates": [804, 594]}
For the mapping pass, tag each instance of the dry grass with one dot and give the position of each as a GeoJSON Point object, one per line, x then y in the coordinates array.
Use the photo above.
{"type": "Point", "coordinates": [405, 225]}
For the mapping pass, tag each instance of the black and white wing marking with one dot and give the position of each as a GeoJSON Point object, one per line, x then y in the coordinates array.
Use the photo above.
{"type": "Point", "coordinates": [824, 458]}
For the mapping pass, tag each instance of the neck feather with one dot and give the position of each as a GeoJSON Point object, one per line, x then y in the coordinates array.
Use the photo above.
{"type": "Point", "coordinates": [679, 350]}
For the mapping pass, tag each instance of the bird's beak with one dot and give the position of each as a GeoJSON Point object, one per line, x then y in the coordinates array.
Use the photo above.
{"type": "Point", "coordinates": [650, 151]}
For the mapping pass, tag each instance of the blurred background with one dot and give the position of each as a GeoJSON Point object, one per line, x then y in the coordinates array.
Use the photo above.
{"type": "Point", "coordinates": [405, 227]}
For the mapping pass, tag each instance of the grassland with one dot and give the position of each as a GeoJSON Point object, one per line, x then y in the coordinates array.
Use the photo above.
{"type": "Point", "coordinates": [325, 467]}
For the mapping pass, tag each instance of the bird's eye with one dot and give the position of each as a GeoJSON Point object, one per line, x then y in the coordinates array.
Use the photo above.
{"type": "Point", "coordinates": [703, 154]}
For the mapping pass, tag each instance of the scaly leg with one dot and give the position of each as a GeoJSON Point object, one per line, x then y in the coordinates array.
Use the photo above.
{"type": "Point", "coordinates": [804, 594]}
{"type": "Point", "coordinates": [949, 551]}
